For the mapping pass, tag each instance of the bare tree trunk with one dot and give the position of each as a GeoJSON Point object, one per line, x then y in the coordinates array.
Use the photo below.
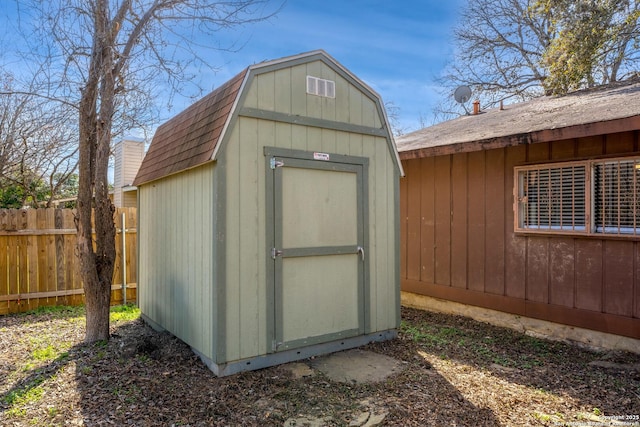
{"type": "Point", "coordinates": [93, 194]}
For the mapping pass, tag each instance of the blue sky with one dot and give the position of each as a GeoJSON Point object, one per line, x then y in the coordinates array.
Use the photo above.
{"type": "Point", "coordinates": [397, 47]}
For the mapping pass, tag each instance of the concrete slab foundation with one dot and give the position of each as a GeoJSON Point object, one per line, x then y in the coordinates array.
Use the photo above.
{"type": "Point", "coordinates": [357, 366]}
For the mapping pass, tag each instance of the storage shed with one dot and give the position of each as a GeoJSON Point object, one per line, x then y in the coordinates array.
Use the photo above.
{"type": "Point", "coordinates": [533, 210]}
{"type": "Point", "coordinates": [269, 222]}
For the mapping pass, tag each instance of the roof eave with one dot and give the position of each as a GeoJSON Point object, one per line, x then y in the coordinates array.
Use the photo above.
{"type": "Point", "coordinates": [583, 130]}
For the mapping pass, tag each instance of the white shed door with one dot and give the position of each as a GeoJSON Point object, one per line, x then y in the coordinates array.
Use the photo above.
{"type": "Point", "coordinates": [319, 250]}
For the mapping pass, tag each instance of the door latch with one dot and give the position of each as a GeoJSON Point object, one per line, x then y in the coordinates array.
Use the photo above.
{"type": "Point", "coordinates": [360, 251]}
{"type": "Point", "coordinates": [275, 253]}
{"type": "Point", "coordinates": [273, 163]}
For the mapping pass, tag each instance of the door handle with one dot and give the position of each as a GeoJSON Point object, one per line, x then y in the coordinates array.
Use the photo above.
{"type": "Point", "coordinates": [360, 251]}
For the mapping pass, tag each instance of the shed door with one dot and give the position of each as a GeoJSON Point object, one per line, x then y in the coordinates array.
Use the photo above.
{"type": "Point", "coordinates": [318, 251]}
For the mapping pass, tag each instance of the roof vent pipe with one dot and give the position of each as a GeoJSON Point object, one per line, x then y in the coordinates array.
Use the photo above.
{"type": "Point", "coordinates": [476, 107]}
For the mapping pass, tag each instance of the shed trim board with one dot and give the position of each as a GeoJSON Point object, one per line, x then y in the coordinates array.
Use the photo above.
{"type": "Point", "coordinates": [291, 355]}
{"type": "Point", "coordinates": [220, 260]}
{"type": "Point", "coordinates": [310, 121]}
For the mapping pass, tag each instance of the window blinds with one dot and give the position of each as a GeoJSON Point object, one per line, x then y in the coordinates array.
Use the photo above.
{"type": "Point", "coordinates": [616, 198]}
{"type": "Point", "coordinates": [553, 198]}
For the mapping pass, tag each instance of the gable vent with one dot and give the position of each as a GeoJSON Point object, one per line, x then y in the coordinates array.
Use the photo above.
{"type": "Point", "coordinates": [321, 87]}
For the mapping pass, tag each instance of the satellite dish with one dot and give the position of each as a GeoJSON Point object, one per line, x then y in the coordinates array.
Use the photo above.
{"type": "Point", "coordinates": [462, 94]}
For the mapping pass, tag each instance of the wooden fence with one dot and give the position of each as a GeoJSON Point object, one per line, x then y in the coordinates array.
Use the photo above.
{"type": "Point", "coordinates": [38, 262]}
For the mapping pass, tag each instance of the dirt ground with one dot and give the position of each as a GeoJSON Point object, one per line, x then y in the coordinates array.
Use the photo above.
{"type": "Point", "coordinates": [455, 372]}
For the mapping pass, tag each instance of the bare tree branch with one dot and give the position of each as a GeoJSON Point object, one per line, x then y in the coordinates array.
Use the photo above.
{"type": "Point", "coordinates": [109, 58]}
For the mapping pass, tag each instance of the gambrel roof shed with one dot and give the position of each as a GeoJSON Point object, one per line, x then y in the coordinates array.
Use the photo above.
{"type": "Point", "coordinates": [269, 218]}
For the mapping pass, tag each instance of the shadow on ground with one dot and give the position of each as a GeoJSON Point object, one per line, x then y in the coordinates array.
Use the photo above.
{"type": "Point", "coordinates": [451, 371]}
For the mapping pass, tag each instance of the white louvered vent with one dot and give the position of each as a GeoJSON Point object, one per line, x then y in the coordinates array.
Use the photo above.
{"type": "Point", "coordinates": [321, 87]}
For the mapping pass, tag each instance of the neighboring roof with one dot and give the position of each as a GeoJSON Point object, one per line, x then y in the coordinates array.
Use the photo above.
{"type": "Point", "coordinates": [189, 139]}
{"type": "Point", "coordinates": [606, 109]}
{"type": "Point", "coordinates": [193, 137]}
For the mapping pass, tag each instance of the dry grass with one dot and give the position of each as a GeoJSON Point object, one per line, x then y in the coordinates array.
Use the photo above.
{"type": "Point", "coordinates": [457, 372]}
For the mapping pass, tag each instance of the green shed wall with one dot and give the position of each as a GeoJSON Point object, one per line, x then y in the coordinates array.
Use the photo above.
{"type": "Point", "coordinates": [175, 283]}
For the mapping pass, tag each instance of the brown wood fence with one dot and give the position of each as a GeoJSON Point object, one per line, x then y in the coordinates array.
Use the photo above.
{"type": "Point", "coordinates": [38, 262]}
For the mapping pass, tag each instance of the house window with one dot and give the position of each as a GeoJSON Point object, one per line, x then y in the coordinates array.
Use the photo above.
{"type": "Point", "coordinates": [588, 197]}
{"type": "Point", "coordinates": [616, 196]}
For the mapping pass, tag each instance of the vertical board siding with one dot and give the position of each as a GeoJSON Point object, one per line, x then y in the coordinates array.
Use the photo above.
{"type": "Point", "coordinates": [589, 276]}
{"type": "Point", "coordinates": [283, 79]}
{"type": "Point", "coordinates": [355, 109]}
{"type": "Point", "coordinates": [562, 266]}
{"type": "Point", "coordinates": [442, 208]}
{"type": "Point", "coordinates": [483, 254]}
{"type": "Point", "coordinates": [425, 205]}
{"type": "Point", "coordinates": [495, 221]}
{"type": "Point", "coordinates": [413, 225]}
{"type": "Point", "coordinates": [618, 278]}
{"type": "Point", "coordinates": [298, 84]}
{"type": "Point", "coordinates": [383, 276]}
{"type": "Point", "coordinates": [176, 257]}
{"type": "Point", "coordinates": [476, 217]}
{"type": "Point", "coordinates": [234, 247]}
{"type": "Point", "coordinates": [377, 235]}
{"type": "Point", "coordinates": [459, 221]}
{"type": "Point", "coordinates": [404, 205]}
{"type": "Point", "coordinates": [538, 269]}
{"type": "Point", "coordinates": [251, 218]}
{"type": "Point", "coordinates": [38, 263]}
{"type": "Point", "coordinates": [515, 250]}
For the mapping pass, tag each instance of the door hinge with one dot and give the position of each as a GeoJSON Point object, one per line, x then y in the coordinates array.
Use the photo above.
{"type": "Point", "coordinates": [275, 253]}
{"type": "Point", "coordinates": [276, 163]}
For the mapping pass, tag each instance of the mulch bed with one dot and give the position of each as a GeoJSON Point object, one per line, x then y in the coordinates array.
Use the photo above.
{"type": "Point", "coordinates": [457, 372]}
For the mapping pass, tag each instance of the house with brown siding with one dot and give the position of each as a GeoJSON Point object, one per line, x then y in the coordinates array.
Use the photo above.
{"type": "Point", "coordinates": [529, 215]}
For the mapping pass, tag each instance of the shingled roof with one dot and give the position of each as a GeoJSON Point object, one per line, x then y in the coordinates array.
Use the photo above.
{"type": "Point", "coordinates": [606, 109]}
{"type": "Point", "coordinates": [190, 138]}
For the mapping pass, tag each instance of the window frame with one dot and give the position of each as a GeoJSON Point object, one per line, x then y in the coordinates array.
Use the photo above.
{"type": "Point", "coordinates": [590, 227]}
